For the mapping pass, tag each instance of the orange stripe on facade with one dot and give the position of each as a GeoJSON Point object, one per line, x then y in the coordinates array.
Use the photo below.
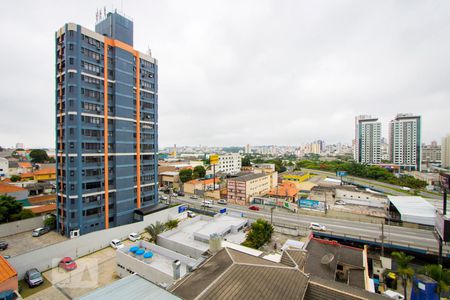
{"type": "Point", "coordinates": [105, 129]}
{"type": "Point", "coordinates": [128, 48]}
{"type": "Point", "coordinates": [138, 130]}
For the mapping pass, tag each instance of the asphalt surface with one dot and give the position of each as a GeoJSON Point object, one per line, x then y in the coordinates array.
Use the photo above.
{"type": "Point", "coordinates": [409, 237]}
{"type": "Point", "coordinates": [384, 187]}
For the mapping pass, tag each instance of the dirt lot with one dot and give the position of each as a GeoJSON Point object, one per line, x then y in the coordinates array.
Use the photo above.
{"type": "Point", "coordinates": [93, 271]}
{"type": "Point", "coordinates": [24, 242]}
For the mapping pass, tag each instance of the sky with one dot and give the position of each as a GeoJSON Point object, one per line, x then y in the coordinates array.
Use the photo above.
{"type": "Point", "coordinates": [247, 72]}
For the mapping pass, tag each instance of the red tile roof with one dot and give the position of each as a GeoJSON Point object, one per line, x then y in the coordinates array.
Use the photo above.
{"type": "Point", "coordinates": [9, 188]}
{"type": "Point", "coordinates": [25, 164]}
{"type": "Point", "coordinates": [43, 208]}
{"type": "Point", "coordinates": [43, 199]}
{"type": "Point", "coordinates": [6, 270]}
{"type": "Point", "coordinates": [287, 189]}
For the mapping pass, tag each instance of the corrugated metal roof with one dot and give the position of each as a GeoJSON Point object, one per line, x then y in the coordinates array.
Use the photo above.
{"type": "Point", "coordinates": [414, 209]}
{"type": "Point", "coordinates": [132, 287]}
{"type": "Point", "coordinates": [231, 274]}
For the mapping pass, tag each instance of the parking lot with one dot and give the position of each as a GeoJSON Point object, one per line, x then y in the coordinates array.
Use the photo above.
{"type": "Point", "coordinates": [93, 271]}
{"type": "Point", "coordinates": [24, 242]}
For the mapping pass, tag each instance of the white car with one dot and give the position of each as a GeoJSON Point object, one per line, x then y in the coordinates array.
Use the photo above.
{"type": "Point", "coordinates": [317, 226]}
{"type": "Point", "coordinates": [393, 295]}
{"type": "Point", "coordinates": [190, 214]}
{"type": "Point", "coordinates": [134, 236]}
{"type": "Point", "coordinates": [207, 203]}
{"type": "Point", "coordinates": [222, 201]}
{"type": "Point", "coordinates": [116, 244]}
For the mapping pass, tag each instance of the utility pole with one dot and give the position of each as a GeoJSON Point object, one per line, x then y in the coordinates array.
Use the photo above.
{"type": "Point", "coordinates": [382, 239]}
{"type": "Point", "coordinates": [271, 214]}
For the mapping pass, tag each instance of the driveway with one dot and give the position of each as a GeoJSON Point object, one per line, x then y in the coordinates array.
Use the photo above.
{"type": "Point", "coordinates": [24, 242]}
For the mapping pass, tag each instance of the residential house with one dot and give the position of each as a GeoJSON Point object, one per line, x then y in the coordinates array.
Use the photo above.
{"type": "Point", "coordinates": [286, 190]}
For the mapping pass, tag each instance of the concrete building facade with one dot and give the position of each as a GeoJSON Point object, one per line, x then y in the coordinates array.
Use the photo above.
{"type": "Point", "coordinates": [404, 141]}
{"type": "Point", "coordinates": [431, 153]}
{"type": "Point", "coordinates": [367, 140]}
{"type": "Point", "coordinates": [445, 155]}
{"type": "Point", "coordinates": [106, 126]}
{"type": "Point", "coordinates": [240, 189]}
{"type": "Point", "coordinates": [230, 163]}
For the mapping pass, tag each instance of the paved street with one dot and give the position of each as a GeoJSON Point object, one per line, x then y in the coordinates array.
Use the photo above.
{"type": "Point", "coordinates": [424, 239]}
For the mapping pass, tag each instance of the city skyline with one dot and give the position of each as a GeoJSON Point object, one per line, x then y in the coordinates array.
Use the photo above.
{"type": "Point", "coordinates": [216, 58]}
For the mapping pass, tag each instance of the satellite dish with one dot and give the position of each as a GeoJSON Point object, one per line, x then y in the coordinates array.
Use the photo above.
{"type": "Point", "coordinates": [327, 259]}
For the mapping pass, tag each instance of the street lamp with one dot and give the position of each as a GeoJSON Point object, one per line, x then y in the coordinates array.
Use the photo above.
{"type": "Point", "coordinates": [271, 214]}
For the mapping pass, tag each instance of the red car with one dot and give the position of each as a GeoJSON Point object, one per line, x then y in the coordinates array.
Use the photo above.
{"type": "Point", "coordinates": [253, 207]}
{"type": "Point", "coordinates": [67, 264]}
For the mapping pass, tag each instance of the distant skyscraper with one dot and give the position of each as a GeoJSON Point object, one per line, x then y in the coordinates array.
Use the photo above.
{"type": "Point", "coordinates": [445, 154]}
{"type": "Point", "coordinates": [404, 141]}
{"type": "Point", "coordinates": [106, 126]}
{"type": "Point", "coordinates": [248, 149]}
{"type": "Point", "coordinates": [19, 146]}
{"type": "Point", "coordinates": [431, 153]}
{"type": "Point", "coordinates": [367, 140]}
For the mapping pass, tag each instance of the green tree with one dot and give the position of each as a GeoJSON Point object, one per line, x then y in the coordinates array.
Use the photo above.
{"type": "Point", "coordinates": [50, 222]}
{"type": "Point", "coordinates": [259, 234]}
{"type": "Point", "coordinates": [441, 275]}
{"type": "Point", "coordinates": [154, 230]}
{"type": "Point", "coordinates": [404, 270]}
{"type": "Point", "coordinates": [199, 172]}
{"type": "Point", "coordinates": [185, 175]}
{"type": "Point", "coordinates": [15, 178]}
{"type": "Point", "coordinates": [246, 161]}
{"type": "Point", "coordinates": [171, 224]}
{"type": "Point", "coordinates": [9, 207]}
{"type": "Point", "coordinates": [38, 156]}
{"type": "Point", "coordinates": [22, 215]}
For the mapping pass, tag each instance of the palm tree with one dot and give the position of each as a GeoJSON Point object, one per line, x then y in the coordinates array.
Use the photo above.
{"type": "Point", "coordinates": [155, 229]}
{"type": "Point", "coordinates": [404, 270]}
{"type": "Point", "coordinates": [440, 274]}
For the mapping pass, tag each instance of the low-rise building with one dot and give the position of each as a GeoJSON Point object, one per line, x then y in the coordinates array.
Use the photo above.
{"type": "Point", "coordinates": [46, 174]}
{"type": "Point", "coordinates": [8, 276]}
{"type": "Point", "coordinates": [24, 167]}
{"type": "Point", "coordinates": [154, 263]}
{"type": "Point", "coordinates": [169, 179]}
{"type": "Point", "coordinates": [240, 189]}
{"type": "Point", "coordinates": [4, 167]}
{"type": "Point", "coordinates": [286, 190]}
{"type": "Point", "coordinates": [295, 176]}
{"type": "Point", "coordinates": [354, 196]}
{"type": "Point", "coordinates": [191, 237]}
{"type": "Point", "coordinates": [19, 193]}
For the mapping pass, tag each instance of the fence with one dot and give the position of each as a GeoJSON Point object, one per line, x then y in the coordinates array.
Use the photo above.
{"type": "Point", "coordinates": [20, 226]}
{"type": "Point", "coordinates": [48, 257]}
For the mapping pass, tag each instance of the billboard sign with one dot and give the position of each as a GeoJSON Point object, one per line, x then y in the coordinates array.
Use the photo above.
{"type": "Point", "coordinates": [445, 181]}
{"type": "Point", "coordinates": [442, 226]}
{"type": "Point", "coordinates": [182, 208]}
{"type": "Point", "coordinates": [214, 159]}
{"type": "Point", "coordinates": [341, 173]}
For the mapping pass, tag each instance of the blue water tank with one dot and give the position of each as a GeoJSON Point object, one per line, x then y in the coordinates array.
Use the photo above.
{"type": "Point", "coordinates": [424, 288]}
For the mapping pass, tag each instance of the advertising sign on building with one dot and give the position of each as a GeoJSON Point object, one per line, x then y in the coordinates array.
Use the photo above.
{"type": "Point", "coordinates": [341, 173]}
{"type": "Point", "coordinates": [214, 159]}
{"type": "Point", "coordinates": [442, 226]}
{"type": "Point", "coordinates": [445, 181]}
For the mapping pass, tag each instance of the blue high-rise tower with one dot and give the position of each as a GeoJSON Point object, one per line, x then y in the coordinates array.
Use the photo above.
{"type": "Point", "coordinates": [106, 126]}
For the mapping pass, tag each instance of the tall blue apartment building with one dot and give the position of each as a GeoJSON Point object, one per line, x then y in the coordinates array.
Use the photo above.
{"type": "Point", "coordinates": [106, 126]}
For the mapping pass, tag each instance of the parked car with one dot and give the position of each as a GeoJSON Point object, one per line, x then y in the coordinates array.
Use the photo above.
{"type": "Point", "coordinates": [67, 264]}
{"type": "Point", "coordinates": [116, 244]}
{"type": "Point", "coordinates": [193, 197]}
{"type": "Point", "coordinates": [180, 194]}
{"type": "Point", "coordinates": [162, 197]}
{"type": "Point", "coordinates": [3, 245]}
{"type": "Point", "coordinates": [174, 195]}
{"type": "Point", "coordinates": [207, 203]}
{"type": "Point", "coordinates": [6, 256]}
{"type": "Point", "coordinates": [393, 295]}
{"type": "Point", "coordinates": [40, 231]}
{"type": "Point", "coordinates": [33, 278]}
{"type": "Point", "coordinates": [253, 207]}
{"type": "Point", "coordinates": [339, 202]}
{"type": "Point", "coordinates": [222, 201]}
{"type": "Point", "coordinates": [191, 214]}
{"type": "Point", "coordinates": [134, 236]}
{"type": "Point", "coordinates": [317, 226]}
